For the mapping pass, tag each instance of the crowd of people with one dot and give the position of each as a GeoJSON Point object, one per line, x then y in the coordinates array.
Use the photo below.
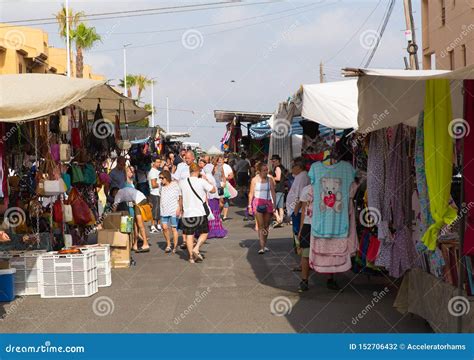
{"type": "Point", "coordinates": [184, 194]}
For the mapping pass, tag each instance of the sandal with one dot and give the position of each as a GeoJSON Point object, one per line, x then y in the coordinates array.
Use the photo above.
{"type": "Point", "coordinates": [198, 256]}
{"type": "Point", "coordinates": [191, 261]}
{"type": "Point", "coordinates": [261, 252]}
{"type": "Point", "coordinates": [168, 249]}
{"type": "Point", "coordinates": [143, 250]}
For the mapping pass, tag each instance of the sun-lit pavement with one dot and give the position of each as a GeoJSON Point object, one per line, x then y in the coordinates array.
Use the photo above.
{"type": "Point", "coordinates": [233, 290]}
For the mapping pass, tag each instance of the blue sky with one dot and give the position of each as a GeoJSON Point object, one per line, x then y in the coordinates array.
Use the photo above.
{"type": "Point", "coordinates": [269, 55]}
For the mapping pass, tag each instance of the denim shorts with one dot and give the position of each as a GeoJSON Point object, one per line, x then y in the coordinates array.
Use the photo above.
{"type": "Point", "coordinates": [280, 200]}
{"type": "Point", "coordinates": [172, 220]}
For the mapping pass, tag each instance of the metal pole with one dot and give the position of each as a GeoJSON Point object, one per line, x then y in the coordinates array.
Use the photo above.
{"type": "Point", "coordinates": [167, 116]}
{"type": "Point", "coordinates": [68, 42]}
{"type": "Point", "coordinates": [321, 73]}
{"type": "Point", "coordinates": [410, 24]}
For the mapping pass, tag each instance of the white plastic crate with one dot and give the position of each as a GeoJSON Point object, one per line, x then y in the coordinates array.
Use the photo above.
{"type": "Point", "coordinates": [26, 265]}
{"type": "Point", "coordinates": [71, 275]}
{"type": "Point", "coordinates": [104, 264]}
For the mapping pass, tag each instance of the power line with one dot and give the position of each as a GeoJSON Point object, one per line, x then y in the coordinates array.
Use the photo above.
{"type": "Point", "coordinates": [213, 24]}
{"type": "Point", "coordinates": [380, 32]}
{"type": "Point", "coordinates": [213, 33]}
{"type": "Point", "coordinates": [144, 14]}
{"type": "Point", "coordinates": [354, 34]}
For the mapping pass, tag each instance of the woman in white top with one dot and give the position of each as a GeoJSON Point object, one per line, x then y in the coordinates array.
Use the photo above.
{"type": "Point", "coordinates": [130, 194]}
{"type": "Point", "coordinates": [192, 207]}
{"type": "Point", "coordinates": [261, 197]}
{"type": "Point", "coordinates": [169, 209]}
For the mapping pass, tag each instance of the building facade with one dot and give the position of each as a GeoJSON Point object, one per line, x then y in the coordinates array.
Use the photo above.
{"type": "Point", "coordinates": [26, 50]}
{"type": "Point", "coordinates": [448, 33]}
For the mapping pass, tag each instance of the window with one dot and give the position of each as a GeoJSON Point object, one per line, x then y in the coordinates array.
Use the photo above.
{"type": "Point", "coordinates": [451, 60]}
{"type": "Point", "coordinates": [464, 55]}
{"type": "Point", "coordinates": [443, 12]}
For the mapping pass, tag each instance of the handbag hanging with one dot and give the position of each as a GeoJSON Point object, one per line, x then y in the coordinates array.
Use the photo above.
{"type": "Point", "coordinates": [65, 152]}
{"type": "Point", "coordinates": [67, 213]}
{"type": "Point", "coordinates": [64, 124]}
{"type": "Point", "coordinates": [58, 212]}
{"type": "Point", "coordinates": [77, 175]}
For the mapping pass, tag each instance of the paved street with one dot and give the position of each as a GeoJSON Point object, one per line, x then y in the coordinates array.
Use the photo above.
{"type": "Point", "coordinates": [231, 291]}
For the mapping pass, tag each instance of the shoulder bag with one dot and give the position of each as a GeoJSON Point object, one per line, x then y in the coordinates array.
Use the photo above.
{"type": "Point", "coordinates": [204, 204]}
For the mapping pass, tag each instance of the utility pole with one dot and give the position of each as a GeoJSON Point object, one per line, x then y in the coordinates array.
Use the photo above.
{"type": "Point", "coordinates": [152, 104]}
{"type": "Point", "coordinates": [321, 73]}
{"type": "Point", "coordinates": [412, 47]}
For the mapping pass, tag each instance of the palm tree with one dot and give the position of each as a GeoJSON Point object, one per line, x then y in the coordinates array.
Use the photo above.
{"type": "Point", "coordinates": [131, 81]}
{"type": "Point", "coordinates": [74, 19]}
{"type": "Point", "coordinates": [141, 83]}
{"type": "Point", "coordinates": [85, 38]}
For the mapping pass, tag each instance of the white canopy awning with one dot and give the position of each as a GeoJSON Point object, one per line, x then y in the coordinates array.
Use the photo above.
{"type": "Point", "coordinates": [213, 151]}
{"type": "Point", "coordinates": [391, 97]}
{"type": "Point", "coordinates": [30, 96]}
{"type": "Point", "coordinates": [332, 104]}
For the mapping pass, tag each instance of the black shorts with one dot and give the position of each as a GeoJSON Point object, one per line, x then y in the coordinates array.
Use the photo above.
{"type": "Point", "coordinates": [305, 241]}
{"type": "Point", "coordinates": [243, 179]}
{"type": "Point", "coordinates": [192, 225]}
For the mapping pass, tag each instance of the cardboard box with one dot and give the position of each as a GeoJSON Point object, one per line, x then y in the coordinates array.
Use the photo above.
{"type": "Point", "coordinates": [4, 264]}
{"type": "Point", "coordinates": [112, 220]}
{"type": "Point", "coordinates": [119, 247]}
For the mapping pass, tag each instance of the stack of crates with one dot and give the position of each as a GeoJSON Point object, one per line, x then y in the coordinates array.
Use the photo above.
{"type": "Point", "coordinates": [68, 275]}
{"type": "Point", "coordinates": [104, 263]}
{"type": "Point", "coordinates": [26, 265]}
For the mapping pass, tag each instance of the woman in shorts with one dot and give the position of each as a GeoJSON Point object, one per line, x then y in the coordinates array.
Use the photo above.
{"type": "Point", "coordinates": [261, 203]}
{"type": "Point", "coordinates": [169, 209]}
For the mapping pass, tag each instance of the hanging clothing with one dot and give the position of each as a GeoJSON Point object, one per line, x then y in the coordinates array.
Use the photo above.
{"type": "Point", "coordinates": [438, 156]}
{"type": "Point", "coordinates": [468, 171]}
{"type": "Point", "coordinates": [376, 181]}
{"type": "Point", "coordinates": [425, 214]}
{"type": "Point", "coordinates": [334, 255]}
{"type": "Point", "coordinates": [331, 185]}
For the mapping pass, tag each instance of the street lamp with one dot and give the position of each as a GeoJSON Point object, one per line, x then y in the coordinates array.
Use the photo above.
{"type": "Point", "coordinates": [125, 68]}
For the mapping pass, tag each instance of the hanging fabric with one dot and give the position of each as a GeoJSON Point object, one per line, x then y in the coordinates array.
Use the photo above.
{"type": "Point", "coordinates": [438, 156]}
{"type": "Point", "coordinates": [468, 171]}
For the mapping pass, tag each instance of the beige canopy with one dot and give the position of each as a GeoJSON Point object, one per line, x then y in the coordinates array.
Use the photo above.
{"type": "Point", "coordinates": [389, 97]}
{"type": "Point", "coordinates": [30, 96]}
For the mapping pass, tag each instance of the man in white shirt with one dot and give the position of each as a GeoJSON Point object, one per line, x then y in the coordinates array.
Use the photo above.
{"type": "Point", "coordinates": [155, 184]}
{"type": "Point", "coordinates": [301, 180]}
{"type": "Point", "coordinates": [182, 170]}
{"type": "Point", "coordinates": [192, 207]}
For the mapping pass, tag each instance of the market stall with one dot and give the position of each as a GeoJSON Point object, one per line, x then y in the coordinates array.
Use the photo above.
{"type": "Point", "coordinates": [58, 136]}
{"type": "Point", "coordinates": [435, 111]}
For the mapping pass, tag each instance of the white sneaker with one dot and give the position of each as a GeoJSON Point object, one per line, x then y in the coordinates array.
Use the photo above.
{"type": "Point", "coordinates": [154, 230]}
{"type": "Point", "coordinates": [266, 249]}
{"type": "Point", "coordinates": [158, 228]}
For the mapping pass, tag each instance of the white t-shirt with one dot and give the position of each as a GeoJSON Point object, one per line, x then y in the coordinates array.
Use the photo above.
{"type": "Point", "coordinates": [192, 206]}
{"type": "Point", "coordinates": [169, 199]}
{"type": "Point", "coordinates": [154, 174]}
{"type": "Point", "coordinates": [212, 181]}
{"type": "Point", "coordinates": [306, 195]}
{"type": "Point", "coordinates": [227, 170]}
{"type": "Point", "coordinates": [129, 194]}
{"type": "Point", "coordinates": [208, 168]}
{"type": "Point", "coordinates": [182, 171]}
